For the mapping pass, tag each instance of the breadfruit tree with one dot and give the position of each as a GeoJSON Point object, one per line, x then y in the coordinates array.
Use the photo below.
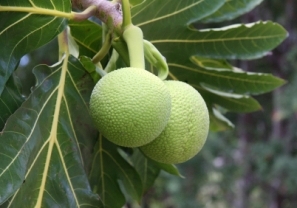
{"type": "Point", "coordinates": [63, 144]}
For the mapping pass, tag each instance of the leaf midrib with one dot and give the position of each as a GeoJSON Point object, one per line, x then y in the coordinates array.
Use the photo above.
{"type": "Point", "coordinates": [221, 76]}
{"type": "Point", "coordinates": [53, 136]}
{"type": "Point", "coordinates": [215, 40]}
{"type": "Point", "coordinates": [37, 10]}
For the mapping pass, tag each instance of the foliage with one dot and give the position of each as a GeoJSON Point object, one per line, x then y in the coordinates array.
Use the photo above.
{"type": "Point", "coordinates": [51, 154]}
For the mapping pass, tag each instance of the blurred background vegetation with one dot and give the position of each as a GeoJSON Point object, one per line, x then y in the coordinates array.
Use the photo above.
{"type": "Point", "coordinates": [255, 164]}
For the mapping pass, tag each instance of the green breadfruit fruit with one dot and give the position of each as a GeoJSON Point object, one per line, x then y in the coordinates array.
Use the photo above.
{"type": "Point", "coordinates": [186, 130]}
{"type": "Point", "coordinates": [130, 106]}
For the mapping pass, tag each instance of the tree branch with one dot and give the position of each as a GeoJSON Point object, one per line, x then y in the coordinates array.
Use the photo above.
{"type": "Point", "coordinates": [109, 12]}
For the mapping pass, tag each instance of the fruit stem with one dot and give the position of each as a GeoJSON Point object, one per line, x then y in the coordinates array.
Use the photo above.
{"type": "Point", "coordinates": [99, 70]}
{"type": "Point", "coordinates": [104, 49]}
{"type": "Point", "coordinates": [126, 14]}
{"type": "Point", "coordinates": [111, 65]}
{"type": "Point", "coordinates": [133, 37]}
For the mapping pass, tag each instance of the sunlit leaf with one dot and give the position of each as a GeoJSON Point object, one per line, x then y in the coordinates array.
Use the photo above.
{"type": "Point", "coordinates": [26, 31]}
{"type": "Point", "coordinates": [45, 146]}
{"type": "Point", "coordinates": [232, 9]}
{"type": "Point", "coordinates": [109, 167]}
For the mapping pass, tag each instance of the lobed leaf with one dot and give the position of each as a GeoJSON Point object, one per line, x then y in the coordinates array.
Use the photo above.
{"type": "Point", "coordinates": [45, 146]}
{"type": "Point", "coordinates": [176, 37]}
{"type": "Point", "coordinates": [238, 41]}
{"type": "Point", "coordinates": [46, 143]}
{"type": "Point", "coordinates": [172, 21]}
{"type": "Point", "coordinates": [232, 9]}
{"type": "Point", "coordinates": [26, 31]}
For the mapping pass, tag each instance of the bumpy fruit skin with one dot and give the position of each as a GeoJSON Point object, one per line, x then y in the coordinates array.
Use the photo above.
{"type": "Point", "coordinates": [186, 130]}
{"type": "Point", "coordinates": [130, 106]}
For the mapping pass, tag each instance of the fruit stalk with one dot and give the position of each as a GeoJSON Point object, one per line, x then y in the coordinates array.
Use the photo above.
{"type": "Point", "coordinates": [103, 50]}
{"type": "Point", "coordinates": [133, 37]}
{"type": "Point", "coordinates": [111, 65]}
{"type": "Point", "coordinates": [126, 14]}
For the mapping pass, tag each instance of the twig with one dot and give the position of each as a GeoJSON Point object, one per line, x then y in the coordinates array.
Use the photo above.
{"type": "Point", "coordinates": [109, 12]}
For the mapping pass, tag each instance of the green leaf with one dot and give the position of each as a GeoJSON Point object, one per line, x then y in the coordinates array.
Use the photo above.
{"type": "Point", "coordinates": [176, 38]}
{"type": "Point", "coordinates": [88, 36]}
{"type": "Point", "coordinates": [237, 82]}
{"type": "Point", "coordinates": [149, 169]}
{"type": "Point", "coordinates": [109, 167]}
{"type": "Point", "coordinates": [218, 122]}
{"type": "Point", "coordinates": [146, 168]}
{"type": "Point", "coordinates": [232, 9]}
{"type": "Point", "coordinates": [10, 100]}
{"type": "Point", "coordinates": [45, 144]}
{"type": "Point", "coordinates": [229, 101]}
{"type": "Point", "coordinates": [248, 41]}
{"type": "Point", "coordinates": [136, 2]}
{"type": "Point", "coordinates": [90, 67]}
{"type": "Point", "coordinates": [168, 18]}
{"type": "Point", "coordinates": [169, 168]}
{"type": "Point", "coordinates": [26, 30]}
{"type": "Point", "coordinates": [208, 63]}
